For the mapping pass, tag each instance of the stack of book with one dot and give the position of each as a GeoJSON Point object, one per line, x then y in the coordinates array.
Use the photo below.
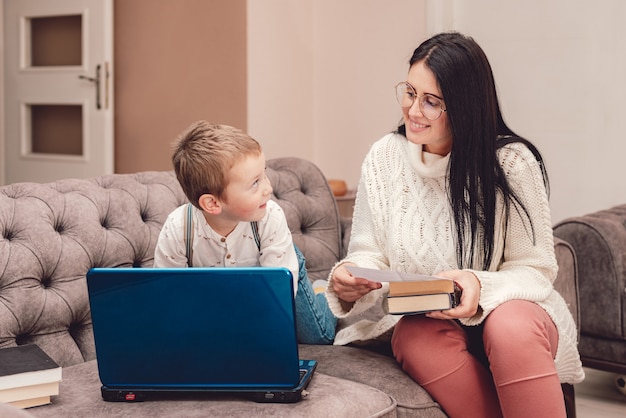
{"type": "Point", "coordinates": [413, 293]}
{"type": "Point", "coordinates": [28, 376]}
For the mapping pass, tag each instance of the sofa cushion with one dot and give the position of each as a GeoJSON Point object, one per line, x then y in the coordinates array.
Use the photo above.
{"type": "Point", "coordinates": [79, 395]}
{"type": "Point", "coordinates": [376, 370]}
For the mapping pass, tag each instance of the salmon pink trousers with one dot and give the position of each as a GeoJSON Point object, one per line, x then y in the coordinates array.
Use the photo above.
{"type": "Point", "coordinates": [502, 368]}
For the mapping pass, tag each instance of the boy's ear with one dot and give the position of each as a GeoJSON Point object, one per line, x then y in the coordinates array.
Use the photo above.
{"type": "Point", "coordinates": [210, 204]}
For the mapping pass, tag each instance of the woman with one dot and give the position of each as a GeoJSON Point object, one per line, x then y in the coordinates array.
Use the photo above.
{"type": "Point", "coordinates": [456, 194]}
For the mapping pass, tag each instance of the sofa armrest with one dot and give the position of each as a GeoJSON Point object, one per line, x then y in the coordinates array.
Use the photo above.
{"type": "Point", "coordinates": [599, 240]}
{"type": "Point", "coordinates": [566, 282]}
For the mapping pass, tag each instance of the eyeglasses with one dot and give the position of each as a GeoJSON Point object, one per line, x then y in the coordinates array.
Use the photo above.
{"type": "Point", "coordinates": [431, 106]}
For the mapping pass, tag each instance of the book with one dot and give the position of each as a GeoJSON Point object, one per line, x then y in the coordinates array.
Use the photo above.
{"type": "Point", "coordinates": [413, 293]}
{"type": "Point", "coordinates": [28, 376]}
{"type": "Point", "coordinates": [418, 304]}
{"type": "Point", "coordinates": [29, 403]}
{"type": "Point", "coordinates": [29, 396]}
{"type": "Point", "coordinates": [29, 392]}
{"type": "Point", "coordinates": [421, 285]}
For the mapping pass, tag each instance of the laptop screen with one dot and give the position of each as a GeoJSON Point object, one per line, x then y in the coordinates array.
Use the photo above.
{"type": "Point", "coordinates": [194, 328]}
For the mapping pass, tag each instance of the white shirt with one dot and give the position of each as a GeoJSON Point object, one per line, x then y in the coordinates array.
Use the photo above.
{"type": "Point", "coordinates": [238, 249]}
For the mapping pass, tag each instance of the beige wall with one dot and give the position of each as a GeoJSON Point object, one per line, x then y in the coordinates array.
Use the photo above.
{"type": "Point", "coordinates": [559, 67]}
{"type": "Point", "coordinates": [321, 72]}
{"type": "Point", "coordinates": [2, 165]}
{"type": "Point", "coordinates": [321, 76]}
{"type": "Point", "coordinates": [175, 62]}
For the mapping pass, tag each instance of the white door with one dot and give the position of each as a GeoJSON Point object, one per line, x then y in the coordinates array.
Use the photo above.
{"type": "Point", "coordinates": [58, 109]}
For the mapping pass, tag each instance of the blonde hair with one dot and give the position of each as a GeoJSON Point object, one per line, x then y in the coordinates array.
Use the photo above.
{"type": "Point", "coordinates": [204, 154]}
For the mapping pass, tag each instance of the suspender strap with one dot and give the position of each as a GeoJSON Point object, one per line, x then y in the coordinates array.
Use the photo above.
{"type": "Point", "coordinates": [189, 235]}
{"type": "Point", "coordinates": [255, 232]}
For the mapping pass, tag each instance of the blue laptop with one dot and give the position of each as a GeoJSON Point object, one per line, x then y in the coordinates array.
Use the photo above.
{"type": "Point", "coordinates": [173, 330]}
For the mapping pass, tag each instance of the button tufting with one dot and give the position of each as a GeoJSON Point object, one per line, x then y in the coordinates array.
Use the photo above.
{"type": "Point", "coordinates": [8, 234]}
{"type": "Point", "coordinates": [46, 282]}
{"type": "Point", "coordinates": [22, 339]}
{"type": "Point", "coordinates": [59, 228]}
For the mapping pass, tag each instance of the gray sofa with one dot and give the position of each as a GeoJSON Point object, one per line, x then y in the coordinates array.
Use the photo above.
{"type": "Point", "coordinates": [53, 233]}
{"type": "Point", "coordinates": [599, 240]}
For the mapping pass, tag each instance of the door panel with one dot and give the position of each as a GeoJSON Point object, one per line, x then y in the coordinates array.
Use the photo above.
{"type": "Point", "coordinates": [58, 85]}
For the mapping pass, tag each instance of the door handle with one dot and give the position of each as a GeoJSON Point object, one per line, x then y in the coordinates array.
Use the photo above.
{"type": "Point", "coordinates": [96, 81]}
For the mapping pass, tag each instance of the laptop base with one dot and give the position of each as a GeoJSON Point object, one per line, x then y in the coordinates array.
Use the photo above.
{"type": "Point", "coordinates": [278, 395]}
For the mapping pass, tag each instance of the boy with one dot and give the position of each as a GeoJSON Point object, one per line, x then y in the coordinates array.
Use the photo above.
{"type": "Point", "coordinates": [234, 222]}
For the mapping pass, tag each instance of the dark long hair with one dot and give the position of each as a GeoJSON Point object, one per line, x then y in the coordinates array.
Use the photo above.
{"type": "Point", "coordinates": [478, 130]}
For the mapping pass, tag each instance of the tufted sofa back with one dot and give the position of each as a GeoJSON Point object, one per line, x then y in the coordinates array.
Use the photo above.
{"type": "Point", "coordinates": [52, 234]}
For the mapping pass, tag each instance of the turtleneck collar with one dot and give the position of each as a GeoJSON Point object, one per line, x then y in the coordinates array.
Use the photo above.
{"type": "Point", "coordinates": [425, 163]}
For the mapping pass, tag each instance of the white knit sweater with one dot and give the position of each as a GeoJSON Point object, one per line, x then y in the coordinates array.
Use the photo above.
{"type": "Point", "coordinates": [402, 221]}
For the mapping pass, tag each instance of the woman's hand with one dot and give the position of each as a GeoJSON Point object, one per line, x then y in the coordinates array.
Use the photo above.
{"type": "Point", "coordinates": [349, 288]}
{"type": "Point", "coordinates": [468, 306]}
